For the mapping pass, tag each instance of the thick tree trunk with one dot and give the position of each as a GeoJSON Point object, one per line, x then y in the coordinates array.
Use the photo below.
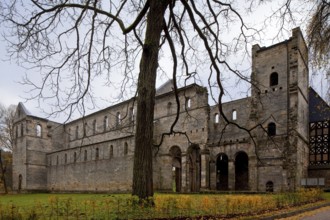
{"type": "Point", "coordinates": [3, 172]}
{"type": "Point", "coordinates": [142, 171]}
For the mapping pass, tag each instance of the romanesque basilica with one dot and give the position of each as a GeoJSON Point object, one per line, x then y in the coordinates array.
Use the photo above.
{"type": "Point", "coordinates": [287, 146]}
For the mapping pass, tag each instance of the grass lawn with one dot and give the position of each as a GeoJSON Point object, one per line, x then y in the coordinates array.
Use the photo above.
{"type": "Point", "coordinates": [124, 206]}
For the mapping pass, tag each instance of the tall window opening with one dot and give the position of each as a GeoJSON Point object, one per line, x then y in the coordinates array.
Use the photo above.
{"type": "Point", "coordinates": [105, 123]}
{"type": "Point", "coordinates": [77, 132]}
{"type": "Point", "coordinates": [111, 151]}
{"type": "Point", "coordinates": [21, 129]}
{"type": "Point", "coordinates": [65, 158]}
{"type": "Point", "coordinates": [118, 119]}
{"type": "Point", "coordinates": [74, 157]}
{"type": "Point", "coordinates": [271, 129]}
{"type": "Point", "coordinates": [85, 155]}
{"type": "Point", "coordinates": [216, 118]}
{"type": "Point", "coordinates": [234, 115]}
{"type": "Point", "coordinates": [94, 126]}
{"type": "Point", "coordinates": [131, 114]}
{"type": "Point", "coordinates": [273, 80]}
{"type": "Point", "coordinates": [125, 148]}
{"type": "Point", "coordinates": [38, 130]}
{"type": "Point", "coordinates": [97, 154]}
{"type": "Point", "coordinates": [85, 129]}
{"type": "Point", "coordinates": [188, 103]}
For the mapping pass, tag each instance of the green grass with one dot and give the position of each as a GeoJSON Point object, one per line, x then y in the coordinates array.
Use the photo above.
{"type": "Point", "coordinates": [124, 206]}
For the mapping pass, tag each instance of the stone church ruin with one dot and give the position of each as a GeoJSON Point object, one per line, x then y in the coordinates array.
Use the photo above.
{"type": "Point", "coordinates": [288, 145]}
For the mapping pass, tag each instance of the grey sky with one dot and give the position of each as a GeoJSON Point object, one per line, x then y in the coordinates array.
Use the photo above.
{"type": "Point", "coordinates": [11, 92]}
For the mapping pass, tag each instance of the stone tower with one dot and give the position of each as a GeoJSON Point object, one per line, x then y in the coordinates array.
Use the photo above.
{"type": "Point", "coordinates": [33, 140]}
{"type": "Point", "coordinates": [280, 111]}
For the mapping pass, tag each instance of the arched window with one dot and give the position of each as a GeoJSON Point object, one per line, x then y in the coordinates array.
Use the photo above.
{"type": "Point", "coordinates": [111, 151]}
{"type": "Point", "coordinates": [216, 118]}
{"type": "Point", "coordinates": [38, 130]}
{"type": "Point", "coordinates": [105, 123]}
{"type": "Point", "coordinates": [65, 158]}
{"type": "Point", "coordinates": [94, 126]}
{"type": "Point", "coordinates": [85, 155]}
{"type": "Point", "coordinates": [234, 115]}
{"type": "Point", "coordinates": [97, 154]}
{"type": "Point", "coordinates": [271, 129]}
{"type": "Point", "coordinates": [118, 119]}
{"type": "Point", "coordinates": [169, 108]}
{"type": "Point", "coordinates": [125, 148]}
{"type": "Point", "coordinates": [85, 129]}
{"type": "Point", "coordinates": [74, 157]}
{"type": "Point", "coordinates": [188, 103]}
{"type": "Point", "coordinates": [131, 114]}
{"type": "Point", "coordinates": [273, 79]}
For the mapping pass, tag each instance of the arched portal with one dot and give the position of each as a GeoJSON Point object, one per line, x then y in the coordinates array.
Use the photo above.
{"type": "Point", "coordinates": [241, 171]}
{"type": "Point", "coordinates": [175, 152]}
{"type": "Point", "coordinates": [194, 168]}
{"type": "Point", "coordinates": [222, 172]}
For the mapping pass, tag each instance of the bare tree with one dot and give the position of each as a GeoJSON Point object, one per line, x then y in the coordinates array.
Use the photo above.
{"type": "Point", "coordinates": [7, 115]}
{"type": "Point", "coordinates": [318, 35]}
{"type": "Point", "coordinates": [77, 42]}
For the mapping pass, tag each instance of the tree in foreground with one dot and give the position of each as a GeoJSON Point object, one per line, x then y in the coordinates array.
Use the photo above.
{"type": "Point", "coordinates": [7, 115]}
{"type": "Point", "coordinates": [318, 35]}
{"type": "Point", "coordinates": [6, 141]}
{"type": "Point", "coordinates": [75, 43]}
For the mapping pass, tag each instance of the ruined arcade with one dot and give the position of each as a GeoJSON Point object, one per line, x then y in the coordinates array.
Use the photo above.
{"type": "Point", "coordinates": [95, 153]}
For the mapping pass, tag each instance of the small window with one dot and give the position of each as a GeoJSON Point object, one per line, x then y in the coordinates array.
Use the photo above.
{"type": "Point", "coordinates": [188, 103]}
{"type": "Point", "coordinates": [97, 154]}
{"type": "Point", "coordinates": [94, 127]}
{"type": "Point", "coordinates": [57, 160]}
{"type": "Point", "coordinates": [74, 157]}
{"type": "Point", "coordinates": [85, 155]}
{"type": "Point", "coordinates": [125, 148]}
{"type": "Point", "coordinates": [169, 108]}
{"type": "Point", "coordinates": [105, 123]}
{"type": "Point", "coordinates": [111, 151]}
{"type": "Point", "coordinates": [38, 130]}
{"type": "Point", "coordinates": [85, 129]}
{"type": "Point", "coordinates": [234, 115]}
{"type": "Point", "coordinates": [77, 131]}
{"type": "Point", "coordinates": [16, 131]}
{"type": "Point", "coordinates": [271, 129]}
{"type": "Point", "coordinates": [273, 80]}
{"type": "Point", "coordinates": [131, 114]}
{"type": "Point", "coordinates": [216, 118]}
{"type": "Point", "coordinates": [118, 119]}
{"type": "Point", "coordinates": [65, 158]}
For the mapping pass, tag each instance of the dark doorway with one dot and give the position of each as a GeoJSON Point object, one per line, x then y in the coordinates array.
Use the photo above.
{"type": "Point", "coordinates": [175, 152]}
{"type": "Point", "coordinates": [269, 186]}
{"type": "Point", "coordinates": [222, 172]}
{"type": "Point", "coordinates": [241, 171]}
{"type": "Point", "coordinates": [194, 168]}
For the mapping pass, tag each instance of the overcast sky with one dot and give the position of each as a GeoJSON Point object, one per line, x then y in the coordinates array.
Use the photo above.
{"type": "Point", "coordinates": [11, 92]}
